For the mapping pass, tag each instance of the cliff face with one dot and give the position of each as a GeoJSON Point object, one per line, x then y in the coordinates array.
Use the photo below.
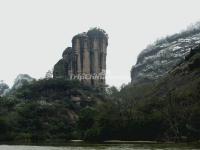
{"type": "Point", "coordinates": [184, 79]}
{"type": "Point", "coordinates": [86, 59]}
{"type": "Point", "coordinates": [159, 58]}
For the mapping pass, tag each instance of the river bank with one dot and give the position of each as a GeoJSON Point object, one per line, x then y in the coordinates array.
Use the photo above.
{"type": "Point", "coordinates": [104, 146]}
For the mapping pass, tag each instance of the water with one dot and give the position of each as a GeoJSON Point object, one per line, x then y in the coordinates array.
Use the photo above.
{"type": "Point", "coordinates": [104, 147]}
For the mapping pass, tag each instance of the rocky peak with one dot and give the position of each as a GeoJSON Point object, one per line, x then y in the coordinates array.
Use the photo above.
{"type": "Point", "coordinates": [21, 80]}
{"type": "Point", "coordinates": [159, 58]}
{"type": "Point", "coordinates": [4, 88]}
{"type": "Point", "coordinates": [86, 59]}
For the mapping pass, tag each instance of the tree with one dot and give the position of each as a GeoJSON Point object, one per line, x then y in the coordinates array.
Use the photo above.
{"type": "Point", "coordinates": [49, 74]}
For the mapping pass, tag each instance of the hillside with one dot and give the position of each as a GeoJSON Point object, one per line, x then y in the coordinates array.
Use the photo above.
{"type": "Point", "coordinates": [170, 105]}
{"type": "Point", "coordinates": [45, 110]}
{"type": "Point", "coordinates": [184, 78]}
{"type": "Point", "coordinates": [162, 56]}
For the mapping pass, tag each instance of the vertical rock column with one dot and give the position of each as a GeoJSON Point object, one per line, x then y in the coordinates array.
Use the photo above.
{"type": "Point", "coordinates": [86, 60]}
{"type": "Point", "coordinates": [67, 57]}
{"type": "Point", "coordinates": [95, 59]}
{"type": "Point", "coordinates": [103, 57]}
{"type": "Point", "coordinates": [70, 67]}
{"type": "Point", "coordinates": [77, 56]}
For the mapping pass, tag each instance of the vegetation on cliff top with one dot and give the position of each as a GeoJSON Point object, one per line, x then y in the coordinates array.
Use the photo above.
{"type": "Point", "coordinates": [92, 33]}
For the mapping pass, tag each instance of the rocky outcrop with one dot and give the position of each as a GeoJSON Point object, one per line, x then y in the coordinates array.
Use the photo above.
{"type": "Point", "coordinates": [4, 88]}
{"type": "Point", "coordinates": [190, 64]}
{"type": "Point", "coordinates": [86, 59]}
{"type": "Point", "coordinates": [59, 69]}
{"type": "Point", "coordinates": [162, 56]}
{"type": "Point", "coordinates": [21, 80]}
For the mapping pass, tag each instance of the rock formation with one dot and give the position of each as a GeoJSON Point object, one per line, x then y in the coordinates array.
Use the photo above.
{"type": "Point", "coordinates": [86, 59]}
{"type": "Point", "coordinates": [162, 56]}
{"type": "Point", "coordinates": [21, 80]}
{"type": "Point", "coordinates": [4, 88]}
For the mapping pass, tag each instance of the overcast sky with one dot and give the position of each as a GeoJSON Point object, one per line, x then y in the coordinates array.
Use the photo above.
{"type": "Point", "coordinates": [34, 33]}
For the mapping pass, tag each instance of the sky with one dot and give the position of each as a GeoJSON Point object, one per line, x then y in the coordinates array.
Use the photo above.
{"type": "Point", "coordinates": [34, 33]}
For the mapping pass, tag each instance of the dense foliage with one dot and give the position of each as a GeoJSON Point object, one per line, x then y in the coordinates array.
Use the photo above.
{"type": "Point", "coordinates": [45, 110]}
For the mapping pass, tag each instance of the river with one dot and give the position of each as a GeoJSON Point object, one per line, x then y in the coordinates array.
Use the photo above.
{"type": "Point", "coordinates": [104, 147]}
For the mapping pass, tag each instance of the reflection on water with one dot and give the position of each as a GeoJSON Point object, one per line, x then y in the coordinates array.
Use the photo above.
{"type": "Point", "coordinates": [103, 147]}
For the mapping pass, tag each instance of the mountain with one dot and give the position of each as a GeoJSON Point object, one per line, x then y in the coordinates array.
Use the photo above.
{"type": "Point", "coordinates": [166, 109]}
{"type": "Point", "coordinates": [21, 80]}
{"type": "Point", "coordinates": [162, 56]}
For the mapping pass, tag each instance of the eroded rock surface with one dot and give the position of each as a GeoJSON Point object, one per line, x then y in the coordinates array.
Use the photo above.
{"type": "Point", "coordinates": [86, 58]}
{"type": "Point", "coordinates": [159, 58]}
